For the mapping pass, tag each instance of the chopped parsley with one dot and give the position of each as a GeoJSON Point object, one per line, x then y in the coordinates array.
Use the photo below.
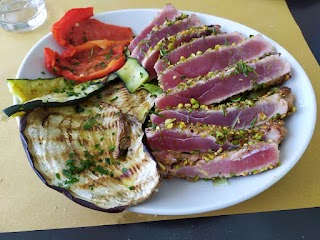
{"type": "Point", "coordinates": [107, 56]}
{"type": "Point", "coordinates": [253, 122]}
{"type": "Point", "coordinates": [90, 123]}
{"type": "Point", "coordinates": [111, 148]}
{"type": "Point", "coordinates": [102, 64]}
{"type": "Point", "coordinates": [108, 161]}
{"type": "Point", "coordinates": [101, 170]}
{"type": "Point", "coordinates": [113, 99]}
{"type": "Point", "coordinates": [163, 52]}
{"type": "Point", "coordinates": [72, 93]}
{"type": "Point", "coordinates": [242, 67]}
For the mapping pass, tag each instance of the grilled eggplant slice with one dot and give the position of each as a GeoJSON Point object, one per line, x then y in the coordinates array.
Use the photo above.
{"type": "Point", "coordinates": [93, 153]}
{"type": "Point", "coordinates": [53, 92]}
{"type": "Point", "coordinates": [137, 104]}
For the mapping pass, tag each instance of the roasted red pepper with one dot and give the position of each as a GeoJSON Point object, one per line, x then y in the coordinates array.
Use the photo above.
{"type": "Point", "coordinates": [91, 60]}
{"type": "Point", "coordinates": [62, 28]}
{"type": "Point", "coordinates": [93, 49]}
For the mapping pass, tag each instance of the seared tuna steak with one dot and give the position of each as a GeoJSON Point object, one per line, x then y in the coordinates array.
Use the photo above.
{"type": "Point", "coordinates": [214, 88]}
{"type": "Point", "coordinates": [168, 13]}
{"type": "Point", "coordinates": [242, 114]}
{"type": "Point", "coordinates": [213, 60]}
{"type": "Point", "coordinates": [167, 44]}
{"type": "Point", "coordinates": [181, 137]}
{"type": "Point", "coordinates": [197, 46]}
{"type": "Point", "coordinates": [168, 28]}
{"type": "Point", "coordinates": [250, 159]}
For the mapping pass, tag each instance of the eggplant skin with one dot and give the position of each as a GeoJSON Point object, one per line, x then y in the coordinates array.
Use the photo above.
{"type": "Point", "coordinates": [124, 188]}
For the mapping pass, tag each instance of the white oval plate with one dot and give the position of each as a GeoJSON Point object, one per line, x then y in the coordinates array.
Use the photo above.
{"type": "Point", "coordinates": [180, 197]}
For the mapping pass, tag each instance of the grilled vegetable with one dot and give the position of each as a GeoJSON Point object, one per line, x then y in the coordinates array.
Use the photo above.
{"type": "Point", "coordinates": [93, 153]}
{"type": "Point", "coordinates": [133, 74]}
{"type": "Point", "coordinates": [137, 104]}
{"type": "Point", "coordinates": [53, 92]}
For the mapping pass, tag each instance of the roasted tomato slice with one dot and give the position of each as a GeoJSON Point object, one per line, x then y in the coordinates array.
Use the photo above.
{"type": "Point", "coordinates": [91, 60]}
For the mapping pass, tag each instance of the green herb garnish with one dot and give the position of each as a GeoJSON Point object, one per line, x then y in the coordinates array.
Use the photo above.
{"type": "Point", "coordinates": [90, 123]}
{"type": "Point", "coordinates": [242, 67]}
{"type": "Point", "coordinates": [112, 148]}
{"type": "Point", "coordinates": [113, 99]}
{"type": "Point", "coordinates": [101, 170]}
{"type": "Point", "coordinates": [253, 122]}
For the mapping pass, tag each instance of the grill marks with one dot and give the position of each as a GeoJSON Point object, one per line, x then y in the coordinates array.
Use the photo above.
{"type": "Point", "coordinates": [104, 140]}
{"type": "Point", "coordinates": [208, 81]}
{"type": "Point", "coordinates": [117, 95]}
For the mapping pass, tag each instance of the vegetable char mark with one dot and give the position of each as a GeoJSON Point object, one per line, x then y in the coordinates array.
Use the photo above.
{"type": "Point", "coordinates": [82, 154]}
{"type": "Point", "coordinates": [136, 104]}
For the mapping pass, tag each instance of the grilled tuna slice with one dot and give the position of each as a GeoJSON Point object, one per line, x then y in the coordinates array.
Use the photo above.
{"type": "Point", "coordinates": [167, 29]}
{"type": "Point", "coordinates": [197, 46]}
{"type": "Point", "coordinates": [210, 61]}
{"type": "Point", "coordinates": [250, 159]}
{"type": "Point", "coordinates": [166, 45]}
{"type": "Point", "coordinates": [137, 104]}
{"type": "Point", "coordinates": [181, 137]}
{"type": "Point", "coordinates": [243, 114]}
{"type": "Point", "coordinates": [214, 88]}
{"type": "Point", "coordinates": [94, 156]}
{"type": "Point", "coordinates": [168, 13]}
